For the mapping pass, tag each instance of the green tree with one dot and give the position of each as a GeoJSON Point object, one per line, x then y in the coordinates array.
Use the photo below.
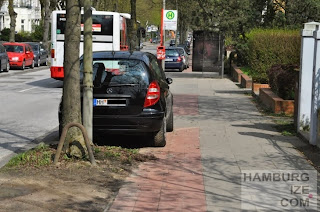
{"type": "Point", "coordinates": [13, 17]}
{"type": "Point", "coordinates": [71, 108]}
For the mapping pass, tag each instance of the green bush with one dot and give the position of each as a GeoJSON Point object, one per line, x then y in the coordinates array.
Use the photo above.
{"type": "Point", "coordinates": [282, 80]}
{"type": "Point", "coordinates": [5, 34]}
{"type": "Point", "coordinates": [269, 47]}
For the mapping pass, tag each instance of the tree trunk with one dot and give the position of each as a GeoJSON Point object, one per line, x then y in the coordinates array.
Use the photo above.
{"type": "Point", "coordinates": [13, 17]}
{"type": "Point", "coordinates": [133, 26]}
{"type": "Point", "coordinates": [71, 108]}
{"type": "Point", "coordinates": [46, 24]}
{"type": "Point", "coordinates": [87, 61]}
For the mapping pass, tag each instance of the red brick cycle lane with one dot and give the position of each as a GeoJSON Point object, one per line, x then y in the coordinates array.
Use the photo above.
{"type": "Point", "coordinates": [174, 182]}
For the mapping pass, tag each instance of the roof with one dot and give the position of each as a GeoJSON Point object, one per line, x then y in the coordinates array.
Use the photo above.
{"type": "Point", "coordinates": [135, 55]}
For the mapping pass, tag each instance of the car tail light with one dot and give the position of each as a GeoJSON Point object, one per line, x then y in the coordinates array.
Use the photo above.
{"type": "Point", "coordinates": [179, 59]}
{"type": "Point", "coordinates": [153, 94]}
{"type": "Point", "coordinates": [52, 53]}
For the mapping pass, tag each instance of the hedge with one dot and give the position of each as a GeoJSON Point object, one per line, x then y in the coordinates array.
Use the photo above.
{"type": "Point", "coordinates": [282, 80]}
{"type": "Point", "coordinates": [269, 47]}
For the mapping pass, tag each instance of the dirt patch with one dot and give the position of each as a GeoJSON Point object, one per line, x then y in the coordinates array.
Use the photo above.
{"type": "Point", "coordinates": [72, 185]}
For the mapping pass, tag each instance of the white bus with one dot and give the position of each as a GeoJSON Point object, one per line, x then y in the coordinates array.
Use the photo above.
{"type": "Point", "coordinates": [109, 33]}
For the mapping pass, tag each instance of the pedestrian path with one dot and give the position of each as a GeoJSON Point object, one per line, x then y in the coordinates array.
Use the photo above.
{"type": "Point", "coordinates": [218, 133]}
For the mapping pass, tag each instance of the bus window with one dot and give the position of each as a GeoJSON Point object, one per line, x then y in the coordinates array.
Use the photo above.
{"type": "Point", "coordinates": [101, 24]}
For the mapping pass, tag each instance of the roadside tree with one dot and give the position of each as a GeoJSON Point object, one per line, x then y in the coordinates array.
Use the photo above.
{"type": "Point", "coordinates": [71, 107]}
{"type": "Point", "coordinates": [13, 17]}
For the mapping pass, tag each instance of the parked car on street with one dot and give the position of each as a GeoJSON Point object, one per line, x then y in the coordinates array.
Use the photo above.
{"type": "Point", "coordinates": [4, 60]}
{"type": "Point", "coordinates": [173, 59]}
{"type": "Point", "coordinates": [40, 54]}
{"type": "Point", "coordinates": [20, 55]}
{"type": "Point", "coordinates": [131, 95]}
{"type": "Point", "coordinates": [183, 55]}
{"type": "Point", "coordinates": [186, 48]}
{"type": "Point", "coordinates": [172, 43]}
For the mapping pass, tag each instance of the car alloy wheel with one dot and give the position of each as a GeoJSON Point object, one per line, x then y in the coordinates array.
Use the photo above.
{"type": "Point", "coordinates": [32, 64]}
{"type": "Point", "coordinates": [38, 63]}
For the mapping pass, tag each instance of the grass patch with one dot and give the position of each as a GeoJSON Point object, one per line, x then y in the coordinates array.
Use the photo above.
{"type": "Point", "coordinates": [124, 155]}
{"type": "Point", "coordinates": [36, 157]}
{"type": "Point", "coordinates": [285, 127]}
{"type": "Point", "coordinates": [43, 155]}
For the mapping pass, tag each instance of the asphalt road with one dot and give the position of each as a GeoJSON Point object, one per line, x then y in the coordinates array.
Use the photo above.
{"type": "Point", "coordinates": [28, 109]}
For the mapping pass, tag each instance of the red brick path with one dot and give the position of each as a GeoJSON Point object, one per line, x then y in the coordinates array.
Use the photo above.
{"type": "Point", "coordinates": [185, 105]}
{"type": "Point", "coordinates": [172, 183]}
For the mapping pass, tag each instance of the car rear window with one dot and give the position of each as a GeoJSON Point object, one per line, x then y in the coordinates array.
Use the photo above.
{"type": "Point", "coordinates": [171, 52]}
{"type": "Point", "coordinates": [181, 52]}
{"type": "Point", "coordinates": [34, 47]}
{"type": "Point", "coordinates": [119, 72]}
{"type": "Point", "coordinates": [14, 48]}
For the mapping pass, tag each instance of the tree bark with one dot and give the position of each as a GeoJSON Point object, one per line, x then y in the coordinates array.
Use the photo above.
{"type": "Point", "coordinates": [13, 17]}
{"type": "Point", "coordinates": [46, 24]}
{"type": "Point", "coordinates": [87, 61]}
{"type": "Point", "coordinates": [133, 26]}
{"type": "Point", "coordinates": [71, 109]}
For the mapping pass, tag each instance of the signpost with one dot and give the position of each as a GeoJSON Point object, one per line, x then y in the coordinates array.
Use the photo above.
{"type": "Point", "coordinates": [170, 19]}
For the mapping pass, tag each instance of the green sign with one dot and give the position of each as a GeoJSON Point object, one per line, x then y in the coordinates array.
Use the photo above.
{"type": "Point", "coordinates": [170, 15]}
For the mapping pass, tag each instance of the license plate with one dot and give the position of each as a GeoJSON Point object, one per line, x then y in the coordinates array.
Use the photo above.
{"type": "Point", "coordinates": [100, 102]}
{"type": "Point", "coordinates": [168, 59]}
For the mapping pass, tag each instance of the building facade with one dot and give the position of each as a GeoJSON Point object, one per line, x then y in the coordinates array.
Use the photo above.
{"type": "Point", "coordinates": [28, 15]}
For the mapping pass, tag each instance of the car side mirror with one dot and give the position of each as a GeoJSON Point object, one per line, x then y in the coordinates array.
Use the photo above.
{"type": "Point", "coordinates": [169, 80]}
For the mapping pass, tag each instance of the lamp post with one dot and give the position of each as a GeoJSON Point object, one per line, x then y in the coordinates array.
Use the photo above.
{"type": "Point", "coordinates": [164, 33]}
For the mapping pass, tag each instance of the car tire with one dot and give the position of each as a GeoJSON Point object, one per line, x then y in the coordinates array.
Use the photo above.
{"type": "Point", "coordinates": [159, 138]}
{"type": "Point", "coordinates": [23, 65]}
{"type": "Point", "coordinates": [38, 63]}
{"type": "Point", "coordinates": [60, 131]}
{"type": "Point", "coordinates": [169, 124]}
{"type": "Point", "coordinates": [7, 67]}
{"type": "Point", "coordinates": [32, 64]}
{"type": "Point", "coordinates": [46, 62]}
{"type": "Point", "coordinates": [181, 68]}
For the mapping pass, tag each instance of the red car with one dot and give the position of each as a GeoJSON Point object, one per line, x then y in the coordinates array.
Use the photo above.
{"type": "Point", "coordinates": [20, 55]}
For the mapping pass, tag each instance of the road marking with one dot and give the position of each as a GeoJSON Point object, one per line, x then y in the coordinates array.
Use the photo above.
{"type": "Point", "coordinates": [27, 89]}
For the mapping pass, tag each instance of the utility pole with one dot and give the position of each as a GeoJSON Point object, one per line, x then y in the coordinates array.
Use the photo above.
{"type": "Point", "coordinates": [164, 35]}
{"type": "Point", "coordinates": [87, 62]}
{"type": "Point", "coordinates": [177, 26]}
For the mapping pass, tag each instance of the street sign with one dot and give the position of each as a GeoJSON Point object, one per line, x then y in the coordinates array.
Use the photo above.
{"type": "Point", "coordinates": [170, 19]}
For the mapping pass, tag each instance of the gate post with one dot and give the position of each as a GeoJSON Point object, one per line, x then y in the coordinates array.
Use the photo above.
{"type": "Point", "coordinates": [306, 75]}
{"type": "Point", "coordinates": [315, 105]}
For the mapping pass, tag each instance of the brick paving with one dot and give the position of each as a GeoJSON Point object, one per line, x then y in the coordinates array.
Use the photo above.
{"type": "Point", "coordinates": [174, 182]}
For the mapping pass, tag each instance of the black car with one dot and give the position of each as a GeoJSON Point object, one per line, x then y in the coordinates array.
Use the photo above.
{"type": "Point", "coordinates": [172, 43]}
{"type": "Point", "coordinates": [4, 60]}
{"type": "Point", "coordinates": [131, 95]}
{"type": "Point", "coordinates": [40, 54]}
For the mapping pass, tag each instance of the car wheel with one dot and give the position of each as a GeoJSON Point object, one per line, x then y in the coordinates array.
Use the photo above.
{"type": "Point", "coordinates": [181, 68]}
{"type": "Point", "coordinates": [170, 121]}
{"type": "Point", "coordinates": [159, 139]}
{"type": "Point", "coordinates": [32, 64]}
{"type": "Point", "coordinates": [46, 62]}
{"type": "Point", "coordinates": [7, 67]}
{"type": "Point", "coordinates": [38, 63]}
{"type": "Point", "coordinates": [60, 130]}
{"type": "Point", "coordinates": [23, 65]}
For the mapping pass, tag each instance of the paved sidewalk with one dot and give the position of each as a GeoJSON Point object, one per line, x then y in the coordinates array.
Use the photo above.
{"type": "Point", "coordinates": [218, 132]}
